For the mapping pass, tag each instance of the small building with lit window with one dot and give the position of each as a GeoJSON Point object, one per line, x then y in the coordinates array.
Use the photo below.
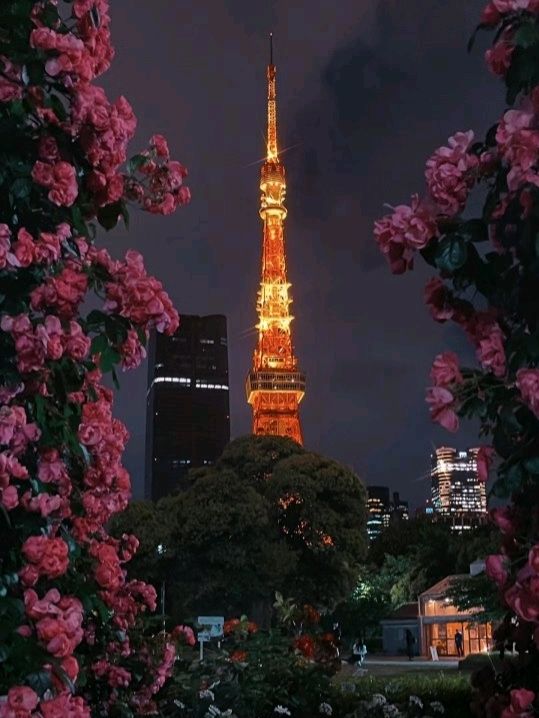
{"type": "Point", "coordinates": [439, 621]}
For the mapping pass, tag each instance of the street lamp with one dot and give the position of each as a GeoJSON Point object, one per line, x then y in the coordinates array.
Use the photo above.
{"type": "Point", "coordinates": [161, 551]}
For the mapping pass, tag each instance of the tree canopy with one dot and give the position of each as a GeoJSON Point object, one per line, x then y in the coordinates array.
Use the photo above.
{"type": "Point", "coordinates": [268, 516]}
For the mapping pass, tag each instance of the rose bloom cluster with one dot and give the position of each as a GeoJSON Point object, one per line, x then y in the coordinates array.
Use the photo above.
{"type": "Point", "coordinates": [509, 164]}
{"type": "Point", "coordinates": [500, 55]}
{"type": "Point", "coordinates": [61, 472]}
{"type": "Point", "coordinates": [159, 189]}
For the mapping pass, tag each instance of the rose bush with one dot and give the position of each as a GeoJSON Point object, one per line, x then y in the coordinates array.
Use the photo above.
{"type": "Point", "coordinates": [71, 635]}
{"type": "Point", "coordinates": [488, 270]}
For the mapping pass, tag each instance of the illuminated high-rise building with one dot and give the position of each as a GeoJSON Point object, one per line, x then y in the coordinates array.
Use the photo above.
{"type": "Point", "coordinates": [377, 510]}
{"type": "Point", "coordinates": [188, 417]}
{"type": "Point", "coordinates": [458, 494]}
{"type": "Point", "coordinates": [382, 511]}
{"type": "Point", "coordinates": [275, 385]}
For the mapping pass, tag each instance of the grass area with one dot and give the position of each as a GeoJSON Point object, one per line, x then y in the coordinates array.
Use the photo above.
{"type": "Point", "coordinates": [452, 689]}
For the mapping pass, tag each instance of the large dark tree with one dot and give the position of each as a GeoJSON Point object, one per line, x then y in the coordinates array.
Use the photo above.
{"type": "Point", "coordinates": [268, 517]}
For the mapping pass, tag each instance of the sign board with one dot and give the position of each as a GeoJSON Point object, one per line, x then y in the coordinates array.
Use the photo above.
{"type": "Point", "coordinates": [213, 625]}
{"type": "Point", "coordinates": [434, 653]}
{"type": "Point", "coordinates": [203, 636]}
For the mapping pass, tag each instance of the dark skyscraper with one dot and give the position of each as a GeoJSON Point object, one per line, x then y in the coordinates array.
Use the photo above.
{"type": "Point", "coordinates": [188, 416]}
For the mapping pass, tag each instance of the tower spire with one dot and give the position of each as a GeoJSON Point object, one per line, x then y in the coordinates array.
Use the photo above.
{"type": "Point", "coordinates": [272, 153]}
{"type": "Point", "coordinates": [275, 385]}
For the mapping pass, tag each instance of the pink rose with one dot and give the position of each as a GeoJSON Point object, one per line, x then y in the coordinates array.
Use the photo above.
{"type": "Point", "coordinates": [498, 57]}
{"type": "Point", "coordinates": [491, 15]}
{"type": "Point", "coordinates": [503, 519]}
{"type": "Point", "coordinates": [438, 300]}
{"type": "Point", "coordinates": [450, 173]}
{"type": "Point", "coordinates": [445, 370]}
{"type": "Point", "coordinates": [400, 234]}
{"type": "Point", "coordinates": [521, 700]}
{"type": "Point", "coordinates": [159, 143]}
{"type": "Point", "coordinates": [9, 498]}
{"type": "Point", "coordinates": [23, 248]}
{"type": "Point", "coordinates": [496, 568]}
{"type": "Point", "coordinates": [528, 385]}
{"type": "Point", "coordinates": [65, 189]}
{"type": "Point", "coordinates": [21, 699]}
{"type": "Point", "coordinates": [504, 6]}
{"type": "Point", "coordinates": [48, 555]}
{"type": "Point", "coordinates": [48, 149]}
{"type": "Point", "coordinates": [65, 705]}
{"type": "Point", "coordinates": [441, 407]}
{"type": "Point", "coordinates": [491, 352]}
{"type": "Point", "coordinates": [533, 558]}
{"type": "Point", "coordinates": [60, 178]}
{"type": "Point", "coordinates": [77, 343]}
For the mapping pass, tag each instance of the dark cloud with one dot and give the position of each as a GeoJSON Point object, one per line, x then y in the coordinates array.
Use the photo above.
{"type": "Point", "coordinates": [367, 90]}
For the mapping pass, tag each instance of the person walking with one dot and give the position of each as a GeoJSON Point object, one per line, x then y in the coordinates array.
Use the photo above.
{"type": "Point", "coordinates": [459, 641]}
{"type": "Point", "coordinates": [410, 640]}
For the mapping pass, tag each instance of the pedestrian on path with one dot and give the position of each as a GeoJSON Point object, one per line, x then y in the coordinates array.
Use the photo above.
{"type": "Point", "coordinates": [410, 640]}
{"type": "Point", "coordinates": [459, 640]}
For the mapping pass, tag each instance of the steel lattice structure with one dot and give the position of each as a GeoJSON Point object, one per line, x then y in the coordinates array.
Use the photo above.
{"type": "Point", "coordinates": [275, 386]}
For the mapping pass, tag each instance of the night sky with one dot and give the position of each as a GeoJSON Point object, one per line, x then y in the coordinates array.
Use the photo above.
{"type": "Point", "coordinates": [367, 89]}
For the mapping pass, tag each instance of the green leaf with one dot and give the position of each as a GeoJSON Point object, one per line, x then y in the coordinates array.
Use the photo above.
{"type": "Point", "coordinates": [475, 230]}
{"type": "Point", "coordinates": [115, 380]}
{"type": "Point", "coordinates": [135, 163]}
{"type": "Point", "coordinates": [21, 188]}
{"type": "Point", "coordinates": [526, 35]}
{"type": "Point", "coordinates": [532, 465]}
{"type": "Point", "coordinates": [100, 344]}
{"type": "Point", "coordinates": [477, 30]}
{"type": "Point", "coordinates": [109, 215]}
{"type": "Point", "coordinates": [109, 358]}
{"type": "Point", "coordinates": [452, 253]}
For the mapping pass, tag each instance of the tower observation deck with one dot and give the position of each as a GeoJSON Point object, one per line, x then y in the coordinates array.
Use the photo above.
{"type": "Point", "coordinates": [275, 385]}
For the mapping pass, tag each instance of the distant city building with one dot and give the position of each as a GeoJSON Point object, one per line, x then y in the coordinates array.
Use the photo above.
{"type": "Point", "coordinates": [382, 510]}
{"type": "Point", "coordinates": [427, 509]}
{"type": "Point", "coordinates": [188, 415]}
{"type": "Point", "coordinates": [399, 508]}
{"type": "Point", "coordinates": [458, 494]}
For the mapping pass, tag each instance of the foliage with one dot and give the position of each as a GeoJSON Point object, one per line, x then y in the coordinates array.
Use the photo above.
{"type": "Point", "coordinates": [72, 638]}
{"type": "Point", "coordinates": [406, 559]}
{"type": "Point", "coordinates": [249, 674]}
{"type": "Point", "coordinates": [451, 690]}
{"type": "Point", "coordinates": [378, 592]}
{"type": "Point", "coordinates": [234, 537]}
{"type": "Point", "coordinates": [488, 269]}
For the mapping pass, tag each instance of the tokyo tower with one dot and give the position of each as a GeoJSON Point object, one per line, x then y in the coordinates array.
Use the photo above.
{"type": "Point", "coordinates": [275, 386]}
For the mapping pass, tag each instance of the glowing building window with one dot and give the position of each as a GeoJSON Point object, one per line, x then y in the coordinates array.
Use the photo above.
{"type": "Point", "coordinates": [172, 380]}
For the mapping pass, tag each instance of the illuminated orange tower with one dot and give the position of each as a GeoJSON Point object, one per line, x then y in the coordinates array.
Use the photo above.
{"type": "Point", "coordinates": [275, 386]}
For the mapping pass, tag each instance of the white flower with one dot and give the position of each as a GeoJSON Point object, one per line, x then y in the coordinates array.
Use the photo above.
{"type": "Point", "coordinates": [390, 711]}
{"type": "Point", "coordinates": [437, 707]}
{"type": "Point", "coordinates": [378, 700]}
{"type": "Point", "coordinates": [325, 709]}
{"type": "Point", "coordinates": [213, 712]}
{"type": "Point", "coordinates": [282, 710]}
{"type": "Point", "coordinates": [179, 705]}
{"type": "Point", "coordinates": [415, 701]}
{"type": "Point", "coordinates": [207, 694]}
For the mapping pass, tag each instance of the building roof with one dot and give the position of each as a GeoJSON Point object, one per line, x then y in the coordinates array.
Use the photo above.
{"type": "Point", "coordinates": [406, 611]}
{"type": "Point", "coordinates": [441, 588]}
